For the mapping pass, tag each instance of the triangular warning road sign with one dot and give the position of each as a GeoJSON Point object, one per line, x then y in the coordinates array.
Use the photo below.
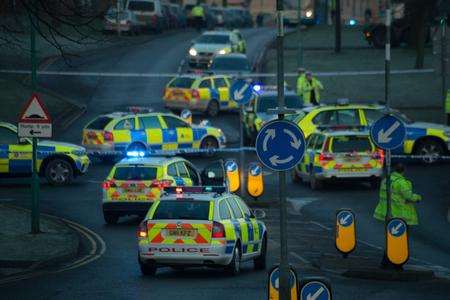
{"type": "Point", "coordinates": [34, 112]}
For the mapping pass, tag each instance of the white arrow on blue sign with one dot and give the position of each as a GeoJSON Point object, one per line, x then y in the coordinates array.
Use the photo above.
{"type": "Point", "coordinates": [230, 165]}
{"type": "Point", "coordinates": [315, 290]}
{"type": "Point", "coordinates": [388, 133]}
{"type": "Point", "coordinates": [241, 91]}
{"type": "Point", "coordinates": [275, 278]}
{"type": "Point", "coordinates": [345, 218]}
{"type": "Point", "coordinates": [280, 145]}
{"type": "Point", "coordinates": [396, 227]}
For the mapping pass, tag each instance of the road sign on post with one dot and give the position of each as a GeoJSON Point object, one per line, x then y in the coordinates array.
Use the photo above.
{"type": "Point", "coordinates": [34, 122]}
{"type": "Point", "coordinates": [255, 181]}
{"type": "Point", "coordinates": [232, 169]}
{"type": "Point", "coordinates": [345, 235]}
{"type": "Point", "coordinates": [274, 284]}
{"type": "Point", "coordinates": [315, 289]}
{"type": "Point", "coordinates": [397, 249]}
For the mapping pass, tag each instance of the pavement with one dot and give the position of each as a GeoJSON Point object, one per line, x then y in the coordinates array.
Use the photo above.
{"type": "Point", "coordinates": [115, 274]}
{"type": "Point", "coordinates": [409, 92]}
{"type": "Point", "coordinates": [22, 251]}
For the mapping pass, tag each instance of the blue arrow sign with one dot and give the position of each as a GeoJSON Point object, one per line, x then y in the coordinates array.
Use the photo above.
{"type": "Point", "coordinates": [231, 165]}
{"type": "Point", "coordinates": [388, 132]}
{"type": "Point", "coordinates": [186, 113]}
{"type": "Point", "coordinates": [280, 145]}
{"type": "Point", "coordinates": [315, 290]}
{"type": "Point", "coordinates": [241, 91]}
{"type": "Point", "coordinates": [275, 278]}
{"type": "Point", "coordinates": [255, 169]}
{"type": "Point", "coordinates": [396, 227]}
{"type": "Point", "coordinates": [345, 218]}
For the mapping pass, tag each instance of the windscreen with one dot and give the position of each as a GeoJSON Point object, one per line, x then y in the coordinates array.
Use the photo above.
{"type": "Point", "coordinates": [269, 102]}
{"type": "Point", "coordinates": [141, 6]}
{"type": "Point", "coordinates": [135, 173]}
{"type": "Point", "coordinates": [232, 64]}
{"type": "Point", "coordinates": [182, 210]}
{"type": "Point", "coordinates": [113, 15]}
{"type": "Point", "coordinates": [99, 123]}
{"type": "Point", "coordinates": [213, 39]}
{"type": "Point", "coordinates": [182, 82]}
{"type": "Point", "coordinates": [342, 144]}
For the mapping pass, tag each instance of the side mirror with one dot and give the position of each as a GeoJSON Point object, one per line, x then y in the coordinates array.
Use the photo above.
{"type": "Point", "coordinates": [259, 213]}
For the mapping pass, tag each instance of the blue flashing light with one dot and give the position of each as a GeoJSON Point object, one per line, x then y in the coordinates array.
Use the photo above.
{"type": "Point", "coordinates": [352, 22]}
{"type": "Point", "coordinates": [135, 153]}
{"type": "Point", "coordinates": [256, 87]}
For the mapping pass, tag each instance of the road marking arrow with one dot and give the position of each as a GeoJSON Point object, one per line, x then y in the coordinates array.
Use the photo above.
{"type": "Point", "coordinates": [316, 294]}
{"type": "Point", "coordinates": [295, 142]}
{"type": "Point", "coordinates": [344, 220]}
{"type": "Point", "coordinates": [275, 160]}
{"type": "Point", "coordinates": [239, 95]}
{"type": "Point", "coordinates": [395, 230]}
{"type": "Point", "coordinates": [384, 136]}
{"type": "Point", "coordinates": [270, 133]}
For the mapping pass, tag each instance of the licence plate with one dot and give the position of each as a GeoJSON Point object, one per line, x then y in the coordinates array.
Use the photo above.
{"type": "Point", "coordinates": [352, 170]}
{"type": "Point", "coordinates": [179, 232]}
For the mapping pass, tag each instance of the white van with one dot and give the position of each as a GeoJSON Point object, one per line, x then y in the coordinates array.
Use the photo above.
{"type": "Point", "coordinates": [149, 14]}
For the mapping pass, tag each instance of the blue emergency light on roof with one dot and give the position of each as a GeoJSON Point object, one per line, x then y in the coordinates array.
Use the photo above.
{"type": "Point", "coordinates": [352, 22]}
{"type": "Point", "coordinates": [135, 153]}
{"type": "Point", "coordinates": [195, 189]}
{"type": "Point", "coordinates": [256, 87]}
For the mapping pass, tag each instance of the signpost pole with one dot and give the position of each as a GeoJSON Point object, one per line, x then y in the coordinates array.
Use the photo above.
{"type": "Point", "coordinates": [387, 62]}
{"type": "Point", "coordinates": [241, 153]}
{"type": "Point", "coordinates": [284, 266]}
{"type": "Point", "coordinates": [444, 64]}
{"type": "Point", "coordinates": [388, 186]}
{"type": "Point", "coordinates": [34, 178]}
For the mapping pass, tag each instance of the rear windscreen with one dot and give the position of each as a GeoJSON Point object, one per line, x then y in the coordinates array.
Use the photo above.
{"type": "Point", "coordinates": [99, 123]}
{"type": "Point", "coordinates": [135, 173]}
{"type": "Point", "coordinates": [182, 210]}
{"type": "Point", "coordinates": [182, 82]}
{"type": "Point", "coordinates": [351, 144]}
{"type": "Point", "coordinates": [141, 6]}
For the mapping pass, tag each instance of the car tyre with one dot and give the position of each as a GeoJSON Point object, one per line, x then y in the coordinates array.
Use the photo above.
{"type": "Point", "coordinates": [431, 148]}
{"type": "Point", "coordinates": [213, 108]}
{"type": "Point", "coordinates": [234, 267]}
{"type": "Point", "coordinates": [261, 261]}
{"type": "Point", "coordinates": [209, 143]}
{"type": "Point", "coordinates": [59, 172]}
{"type": "Point", "coordinates": [110, 218]}
{"type": "Point", "coordinates": [147, 268]}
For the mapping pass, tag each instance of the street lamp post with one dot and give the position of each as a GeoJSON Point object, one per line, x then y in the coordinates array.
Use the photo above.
{"type": "Point", "coordinates": [387, 62]}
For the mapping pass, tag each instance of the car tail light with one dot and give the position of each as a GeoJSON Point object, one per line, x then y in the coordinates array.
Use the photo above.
{"type": "Point", "coordinates": [108, 136]}
{"type": "Point", "coordinates": [218, 231]}
{"type": "Point", "coordinates": [326, 157]}
{"type": "Point", "coordinates": [142, 230]}
{"type": "Point", "coordinates": [379, 155]}
{"type": "Point", "coordinates": [195, 94]}
{"type": "Point", "coordinates": [108, 184]}
{"type": "Point", "coordinates": [161, 183]}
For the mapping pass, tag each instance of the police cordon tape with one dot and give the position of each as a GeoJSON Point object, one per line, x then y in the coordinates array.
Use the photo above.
{"type": "Point", "coordinates": [155, 152]}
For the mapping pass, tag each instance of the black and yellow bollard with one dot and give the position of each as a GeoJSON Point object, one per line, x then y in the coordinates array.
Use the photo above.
{"type": "Point", "coordinates": [255, 180]}
{"type": "Point", "coordinates": [232, 170]}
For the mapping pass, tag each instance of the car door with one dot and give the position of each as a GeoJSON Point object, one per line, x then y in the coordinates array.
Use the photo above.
{"type": "Point", "coordinates": [122, 132]}
{"type": "Point", "coordinates": [15, 157]}
{"type": "Point", "coordinates": [240, 225]}
{"type": "Point", "coordinates": [223, 88]}
{"type": "Point", "coordinates": [172, 173]}
{"type": "Point", "coordinates": [151, 127]}
{"type": "Point", "coordinates": [184, 174]}
{"type": "Point", "coordinates": [177, 134]}
{"type": "Point", "coordinates": [308, 158]}
{"type": "Point", "coordinates": [193, 174]}
{"type": "Point", "coordinates": [253, 227]}
{"type": "Point", "coordinates": [371, 116]}
{"type": "Point", "coordinates": [205, 90]}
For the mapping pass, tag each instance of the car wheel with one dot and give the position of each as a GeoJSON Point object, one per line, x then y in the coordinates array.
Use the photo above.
{"type": "Point", "coordinates": [110, 218]}
{"type": "Point", "coordinates": [213, 108]}
{"type": "Point", "coordinates": [59, 172]}
{"type": "Point", "coordinates": [234, 267]}
{"type": "Point", "coordinates": [431, 149]}
{"type": "Point", "coordinates": [147, 268]}
{"type": "Point", "coordinates": [209, 143]}
{"type": "Point", "coordinates": [261, 261]}
{"type": "Point", "coordinates": [314, 183]}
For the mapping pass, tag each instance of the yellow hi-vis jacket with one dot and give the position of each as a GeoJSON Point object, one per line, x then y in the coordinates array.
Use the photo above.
{"type": "Point", "coordinates": [300, 83]}
{"type": "Point", "coordinates": [198, 11]}
{"type": "Point", "coordinates": [403, 200]}
{"type": "Point", "coordinates": [447, 103]}
{"type": "Point", "coordinates": [305, 88]}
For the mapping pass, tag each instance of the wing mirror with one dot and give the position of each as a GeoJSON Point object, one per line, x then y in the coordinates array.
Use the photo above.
{"type": "Point", "coordinates": [259, 213]}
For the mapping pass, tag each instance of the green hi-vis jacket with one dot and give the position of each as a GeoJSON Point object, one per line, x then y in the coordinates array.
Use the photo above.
{"type": "Point", "coordinates": [304, 88]}
{"type": "Point", "coordinates": [403, 199]}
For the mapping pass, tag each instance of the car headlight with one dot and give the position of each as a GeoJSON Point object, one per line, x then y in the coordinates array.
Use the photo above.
{"type": "Point", "coordinates": [192, 52]}
{"type": "Point", "coordinates": [223, 51]}
{"type": "Point", "coordinates": [79, 152]}
{"type": "Point", "coordinates": [309, 13]}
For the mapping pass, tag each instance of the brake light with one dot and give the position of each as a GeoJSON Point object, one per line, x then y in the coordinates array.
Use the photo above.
{"type": "Point", "coordinates": [195, 94]}
{"type": "Point", "coordinates": [108, 184]}
{"type": "Point", "coordinates": [326, 157]}
{"type": "Point", "coordinates": [161, 183]}
{"type": "Point", "coordinates": [108, 136]}
{"type": "Point", "coordinates": [379, 155]}
{"type": "Point", "coordinates": [142, 230]}
{"type": "Point", "coordinates": [218, 231]}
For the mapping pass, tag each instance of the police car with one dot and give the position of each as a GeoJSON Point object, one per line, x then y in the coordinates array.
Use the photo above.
{"type": "Point", "coordinates": [336, 153]}
{"type": "Point", "coordinates": [122, 131]}
{"type": "Point", "coordinates": [256, 113]}
{"type": "Point", "coordinates": [197, 92]}
{"type": "Point", "coordinates": [58, 162]}
{"type": "Point", "coordinates": [428, 139]}
{"type": "Point", "coordinates": [135, 182]}
{"type": "Point", "coordinates": [201, 226]}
